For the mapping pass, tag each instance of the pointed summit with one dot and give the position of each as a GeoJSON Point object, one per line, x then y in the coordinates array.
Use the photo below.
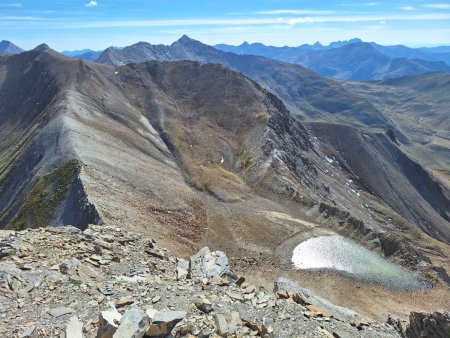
{"type": "Point", "coordinates": [8, 47]}
{"type": "Point", "coordinates": [185, 40]}
{"type": "Point", "coordinates": [317, 45]}
{"type": "Point", "coordinates": [43, 47]}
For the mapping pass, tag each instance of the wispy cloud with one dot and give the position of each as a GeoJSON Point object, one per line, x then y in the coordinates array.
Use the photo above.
{"type": "Point", "coordinates": [12, 4]}
{"type": "Point", "coordinates": [408, 8]}
{"type": "Point", "coordinates": [293, 12]}
{"type": "Point", "coordinates": [363, 4]}
{"type": "Point", "coordinates": [254, 21]}
{"type": "Point", "coordinates": [438, 5]}
{"type": "Point", "coordinates": [91, 3]}
{"type": "Point", "coordinates": [21, 18]}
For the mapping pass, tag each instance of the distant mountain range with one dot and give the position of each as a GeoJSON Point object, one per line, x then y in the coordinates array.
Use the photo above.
{"type": "Point", "coordinates": [418, 117]}
{"type": "Point", "coordinates": [306, 93]}
{"type": "Point", "coordinates": [84, 54]}
{"type": "Point", "coordinates": [354, 59]}
{"type": "Point", "coordinates": [347, 60]}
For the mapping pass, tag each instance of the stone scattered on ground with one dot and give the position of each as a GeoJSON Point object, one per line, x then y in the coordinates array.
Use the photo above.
{"type": "Point", "coordinates": [108, 282]}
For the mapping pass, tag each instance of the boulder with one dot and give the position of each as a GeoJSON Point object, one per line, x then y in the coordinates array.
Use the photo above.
{"type": "Point", "coordinates": [69, 265]}
{"type": "Point", "coordinates": [204, 305]}
{"type": "Point", "coordinates": [7, 245]}
{"type": "Point", "coordinates": [108, 322]}
{"type": "Point", "coordinates": [208, 264]}
{"type": "Point", "coordinates": [286, 288]}
{"type": "Point", "coordinates": [28, 332]}
{"type": "Point", "coordinates": [125, 301]}
{"type": "Point", "coordinates": [182, 269]}
{"type": "Point", "coordinates": [164, 321]}
{"type": "Point", "coordinates": [424, 325]}
{"type": "Point", "coordinates": [74, 328]}
{"type": "Point", "coordinates": [227, 324]}
{"type": "Point", "coordinates": [133, 324]}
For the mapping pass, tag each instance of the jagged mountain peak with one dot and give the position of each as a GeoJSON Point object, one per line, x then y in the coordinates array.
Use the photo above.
{"type": "Point", "coordinates": [43, 47]}
{"type": "Point", "coordinates": [8, 47]}
{"type": "Point", "coordinates": [186, 41]}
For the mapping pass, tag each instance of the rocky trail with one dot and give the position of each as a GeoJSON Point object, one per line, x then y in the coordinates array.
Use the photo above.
{"type": "Point", "coordinates": [109, 282]}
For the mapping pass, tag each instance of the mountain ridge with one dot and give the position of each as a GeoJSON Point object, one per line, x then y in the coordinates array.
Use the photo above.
{"type": "Point", "coordinates": [332, 61]}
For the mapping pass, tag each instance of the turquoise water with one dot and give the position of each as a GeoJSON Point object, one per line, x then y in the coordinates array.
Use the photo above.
{"type": "Point", "coordinates": [338, 254]}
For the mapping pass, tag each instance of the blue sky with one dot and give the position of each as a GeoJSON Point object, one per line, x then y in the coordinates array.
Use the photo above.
{"type": "Point", "coordinates": [97, 24]}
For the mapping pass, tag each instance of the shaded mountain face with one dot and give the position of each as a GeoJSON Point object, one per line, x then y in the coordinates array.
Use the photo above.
{"type": "Point", "coordinates": [195, 153]}
{"type": "Point", "coordinates": [380, 165]}
{"type": "Point", "coordinates": [429, 54]}
{"type": "Point", "coordinates": [306, 94]}
{"type": "Point", "coordinates": [414, 107]}
{"type": "Point", "coordinates": [349, 60]}
{"type": "Point", "coordinates": [417, 106]}
{"type": "Point", "coordinates": [9, 48]}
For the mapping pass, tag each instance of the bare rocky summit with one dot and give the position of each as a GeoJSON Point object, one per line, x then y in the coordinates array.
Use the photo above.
{"type": "Point", "coordinates": [108, 282]}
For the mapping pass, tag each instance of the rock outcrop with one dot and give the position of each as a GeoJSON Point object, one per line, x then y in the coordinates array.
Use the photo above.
{"type": "Point", "coordinates": [104, 281]}
{"type": "Point", "coordinates": [423, 324]}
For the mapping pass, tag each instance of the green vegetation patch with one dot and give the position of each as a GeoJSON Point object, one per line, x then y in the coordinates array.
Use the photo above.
{"type": "Point", "coordinates": [263, 116]}
{"type": "Point", "coordinates": [43, 199]}
{"type": "Point", "coordinates": [244, 160]}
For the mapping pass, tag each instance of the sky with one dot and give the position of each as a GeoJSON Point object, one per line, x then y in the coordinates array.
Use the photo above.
{"type": "Point", "coordinates": [97, 24]}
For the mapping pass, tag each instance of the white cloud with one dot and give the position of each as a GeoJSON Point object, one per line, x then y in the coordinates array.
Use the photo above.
{"type": "Point", "coordinates": [292, 11]}
{"type": "Point", "coordinates": [408, 8]}
{"type": "Point", "coordinates": [21, 18]}
{"type": "Point", "coordinates": [255, 21]}
{"type": "Point", "coordinates": [91, 3]}
{"type": "Point", "coordinates": [12, 4]}
{"type": "Point", "coordinates": [382, 22]}
{"type": "Point", "coordinates": [369, 4]}
{"type": "Point", "coordinates": [438, 5]}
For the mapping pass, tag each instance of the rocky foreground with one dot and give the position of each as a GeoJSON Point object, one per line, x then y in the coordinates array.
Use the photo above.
{"type": "Point", "coordinates": [107, 282]}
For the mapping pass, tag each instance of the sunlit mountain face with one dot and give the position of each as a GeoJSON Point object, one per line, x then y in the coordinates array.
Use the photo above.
{"type": "Point", "coordinates": [224, 169]}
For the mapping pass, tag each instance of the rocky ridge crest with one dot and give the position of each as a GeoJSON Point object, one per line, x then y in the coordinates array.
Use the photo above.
{"type": "Point", "coordinates": [108, 282]}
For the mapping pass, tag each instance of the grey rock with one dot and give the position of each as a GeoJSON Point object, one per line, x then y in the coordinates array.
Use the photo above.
{"type": "Point", "coordinates": [69, 265]}
{"type": "Point", "coordinates": [164, 322]}
{"type": "Point", "coordinates": [74, 328]}
{"type": "Point", "coordinates": [28, 332]}
{"type": "Point", "coordinates": [282, 284]}
{"type": "Point", "coordinates": [227, 324]}
{"type": "Point", "coordinates": [204, 305]}
{"type": "Point", "coordinates": [7, 246]}
{"type": "Point", "coordinates": [108, 322]}
{"type": "Point", "coordinates": [134, 324]}
{"type": "Point", "coordinates": [65, 229]}
{"type": "Point", "coordinates": [182, 269]}
{"type": "Point", "coordinates": [208, 264]}
{"type": "Point", "coordinates": [60, 311]}
{"type": "Point", "coordinates": [423, 325]}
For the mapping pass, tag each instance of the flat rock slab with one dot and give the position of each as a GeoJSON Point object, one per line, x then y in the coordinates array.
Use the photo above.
{"type": "Point", "coordinates": [74, 328]}
{"type": "Point", "coordinates": [28, 332]}
{"type": "Point", "coordinates": [60, 311]}
{"type": "Point", "coordinates": [134, 324]}
{"type": "Point", "coordinates": [164, 321]}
